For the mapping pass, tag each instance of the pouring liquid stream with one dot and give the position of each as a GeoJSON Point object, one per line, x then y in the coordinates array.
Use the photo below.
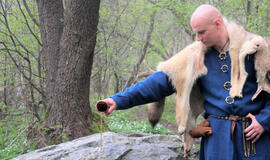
{"type": "Point", "coordinates": [101, 130]}
{"type": "Point", "coordinates": [102, 107]}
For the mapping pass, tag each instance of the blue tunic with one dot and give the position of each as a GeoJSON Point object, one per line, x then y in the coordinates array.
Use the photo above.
{"type": "Point", "coordinates": [215, 89]}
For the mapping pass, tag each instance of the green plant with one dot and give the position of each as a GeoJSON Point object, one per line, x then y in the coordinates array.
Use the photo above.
{"type": "Point", "coordinates": [12, 143]}
{"type": "Point", "coordinates": [122, 121]}
{"type": "Point", "coordinates": [95, 125]}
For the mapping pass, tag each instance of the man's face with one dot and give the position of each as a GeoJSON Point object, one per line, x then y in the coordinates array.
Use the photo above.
{"type": "Point", "coordinates": [206, 32]}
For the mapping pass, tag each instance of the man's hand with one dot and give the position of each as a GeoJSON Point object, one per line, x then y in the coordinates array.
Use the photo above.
{"type": "Point", "coordinates": [255, 130]}
{"type": "Point", "coordinates": [111, 105]}
{"type": "Point", "coordinates": [203, 129]}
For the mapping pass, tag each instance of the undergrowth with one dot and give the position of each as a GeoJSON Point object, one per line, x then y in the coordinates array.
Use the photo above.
{"type": "Point", "coordinates": [122, 121]}
{"type": "Point", "coordinates": [13, 144]}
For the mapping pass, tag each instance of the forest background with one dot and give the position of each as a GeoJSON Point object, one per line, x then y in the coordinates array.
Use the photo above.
{"type": "Point", "coordinates": [59, 57]}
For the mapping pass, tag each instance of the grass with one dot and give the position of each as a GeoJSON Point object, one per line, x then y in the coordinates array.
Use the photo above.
{"type": "Point", "coordinates": [125, 121]}
{"type": "Point", "coordinates": [10, 127]}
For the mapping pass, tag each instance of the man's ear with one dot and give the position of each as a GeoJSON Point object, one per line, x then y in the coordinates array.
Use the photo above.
{"type": "Point", "coordinates": [217, 21]}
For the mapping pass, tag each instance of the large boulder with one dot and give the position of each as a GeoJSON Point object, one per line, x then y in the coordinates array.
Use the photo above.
{"type": "Point", "coordinates": [115, 146]}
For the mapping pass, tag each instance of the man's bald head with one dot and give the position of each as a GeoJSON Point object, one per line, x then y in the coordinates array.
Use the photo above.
{"type": "Point", "coordinates": [205, 13]}
{"type": "Point", "coordinates": [208, 25]}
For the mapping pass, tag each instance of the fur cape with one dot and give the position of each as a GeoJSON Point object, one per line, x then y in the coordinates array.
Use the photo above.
{"type": "Point", "coordinates": [187, 66]}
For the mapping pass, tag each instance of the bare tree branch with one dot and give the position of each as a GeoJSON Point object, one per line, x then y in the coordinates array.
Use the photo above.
{"type": "Point", "coordinates": [164, 55]}
{"type": "Point", "coordinates": [145, 47]}
{"type": "Point", "coordinates": [143, 75]}
{"type": "Point", "coordinates": [13, 38]}
{"type": "Point", "coordinates": [20, 70]}
{"type": "Point", "coordinates": [30, 13]}
{"type": "Point", "coordinates": [177, 16]}
{"type": "Point", "coordinates": [27, 24]}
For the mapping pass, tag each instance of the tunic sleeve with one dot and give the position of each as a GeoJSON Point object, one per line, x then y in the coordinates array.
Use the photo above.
{"type": "Point", "coordinates": [153, 88]}
{"type": "Point", "coordinates": [264, 115]}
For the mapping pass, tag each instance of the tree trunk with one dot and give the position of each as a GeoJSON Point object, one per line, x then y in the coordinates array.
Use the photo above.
{"type": "Point", "coordinates": [51, 28]}
{"type": "Point", "coordinates": [68, 82]}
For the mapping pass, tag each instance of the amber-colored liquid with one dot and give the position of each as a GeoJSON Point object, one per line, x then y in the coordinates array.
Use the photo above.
{"type": "Point", "coordinates": [102, 107]}
{"type": "Point", "coordinates": [101, 130]}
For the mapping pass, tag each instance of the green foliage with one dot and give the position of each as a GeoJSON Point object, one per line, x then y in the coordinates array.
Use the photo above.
{"type": "Point", "coordinates": [125, 121]}
{"type": "Point", "coordinates": [197, 146]}
{"type": "Point", "coordinates": [95, 125]}
{"type": "Point", "coordinates": [20, 50]}
{"type": "Point", "coordinates": [169, 110]}
{"type": "Point", "coordinates": [253, 15]}
{"type": "Point", "coordinates": [10, 127]}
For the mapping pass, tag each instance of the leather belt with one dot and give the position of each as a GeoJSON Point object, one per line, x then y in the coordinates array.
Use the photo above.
{"type": "Point", "coordinates": [245, 124]}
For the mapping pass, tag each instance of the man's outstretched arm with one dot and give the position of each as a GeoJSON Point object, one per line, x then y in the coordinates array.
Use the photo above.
{"type": "Point", "coordinates": [153, 88]}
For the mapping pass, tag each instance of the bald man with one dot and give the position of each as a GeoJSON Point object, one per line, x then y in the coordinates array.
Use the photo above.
{"type": "Point", "coordinates": [207, 23]}
{"type": "Point", "coordinates": [224, 113]}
